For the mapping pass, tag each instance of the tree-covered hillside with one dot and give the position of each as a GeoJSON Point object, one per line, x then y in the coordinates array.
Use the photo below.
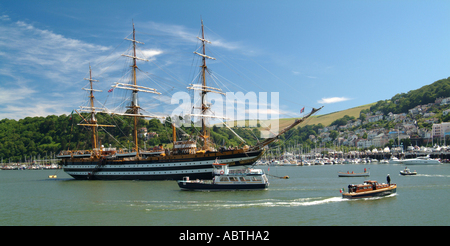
{"type": "Point", "coordinates": [44, 136]}
{"type": "Point", "coordinates": [402, 102]}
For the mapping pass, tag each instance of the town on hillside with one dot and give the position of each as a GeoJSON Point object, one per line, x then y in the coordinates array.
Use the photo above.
{"type": "Point", "coordinates": [422, 126]}
{"type": "Point", "coordinates": [374, 136]}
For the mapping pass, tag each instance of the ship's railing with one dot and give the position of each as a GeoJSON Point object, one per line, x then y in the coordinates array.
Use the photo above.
{"type": "Point", "coordinates": [74, 152]}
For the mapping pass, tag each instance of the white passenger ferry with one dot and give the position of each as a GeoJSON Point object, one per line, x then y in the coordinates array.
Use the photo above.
{"type": "Point", "coordinates": [228, 179]}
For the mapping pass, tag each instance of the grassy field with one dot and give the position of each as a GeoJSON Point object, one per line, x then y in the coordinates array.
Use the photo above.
{"type": "Point", "coordinates": [325, 119]}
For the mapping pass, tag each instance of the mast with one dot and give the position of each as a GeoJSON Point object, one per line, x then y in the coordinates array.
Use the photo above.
{"type": "Point", "coordinates": [204, 90]}
{"type": "Point", "coordinates": [135, 88]}
{"type": "Point", "coordinates": [134, 104]}
{"type": "Point", "coordinates": [92, 122]}
{"type": "Point", "coordinates": [204, 107]}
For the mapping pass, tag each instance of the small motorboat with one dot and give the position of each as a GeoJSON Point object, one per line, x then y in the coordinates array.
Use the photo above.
{"type": "Point", "coordinates": [353, 174]}
{"type": "Point", "coordinates": [226, 179]}
{"type": "Point", "coordinates": [406, 172]}
{"type": "Point", "coordinates": [370, 188]}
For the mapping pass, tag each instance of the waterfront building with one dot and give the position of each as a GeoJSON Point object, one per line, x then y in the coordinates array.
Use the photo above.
{"type": "Point", "coordinates": [441, 130]}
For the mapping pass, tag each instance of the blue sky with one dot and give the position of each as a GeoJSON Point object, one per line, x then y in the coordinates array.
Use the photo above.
{"type": "Point", "coordinates": [340, 54]}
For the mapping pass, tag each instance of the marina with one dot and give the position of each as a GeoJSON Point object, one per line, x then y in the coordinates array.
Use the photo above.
{"type": "Point", "coordinates": [310, 197]}
{"type": "Point", "coordinates": [321, 156]}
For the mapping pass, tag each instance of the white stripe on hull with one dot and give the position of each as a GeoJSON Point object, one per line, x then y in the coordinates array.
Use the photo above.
{"type": "Point", "coordinates": [104, 168]}
{"type": "Point", "coordinates": [106, 173]}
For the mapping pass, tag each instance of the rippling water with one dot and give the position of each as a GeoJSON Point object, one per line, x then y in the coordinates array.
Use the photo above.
{"type": "Point", "coordinates": [310, 197]}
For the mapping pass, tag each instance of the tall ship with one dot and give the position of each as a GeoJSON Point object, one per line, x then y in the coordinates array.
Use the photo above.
{"type": "Point", "coordinates": [193, 157]}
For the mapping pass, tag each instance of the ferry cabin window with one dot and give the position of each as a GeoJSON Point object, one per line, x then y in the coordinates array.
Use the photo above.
{"type": "Point", "coordinates": [233, 179]}
{"type": "Point", "coordinates": [256, 178]}
{"type": "Point", "coordinates": [223, 178]}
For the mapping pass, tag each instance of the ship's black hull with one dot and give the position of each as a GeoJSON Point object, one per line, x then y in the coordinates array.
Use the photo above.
{"type": "Point", "coordinates": [196, 167]}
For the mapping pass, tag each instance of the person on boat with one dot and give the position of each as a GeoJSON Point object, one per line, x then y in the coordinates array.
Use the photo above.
{"type": "Point", "coordinates": [388, 179]}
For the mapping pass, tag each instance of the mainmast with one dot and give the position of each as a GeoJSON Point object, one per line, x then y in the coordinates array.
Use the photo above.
{"type": "Point", "coordinates": [204, 90]}
{"type": "Point", "coordinates": [134, 104]}
{"type": "Point", "coordinates": [135, 88]}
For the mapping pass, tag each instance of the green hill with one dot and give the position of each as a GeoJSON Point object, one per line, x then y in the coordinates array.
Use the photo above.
{"type": "Point", "coordinates": [402, 102]}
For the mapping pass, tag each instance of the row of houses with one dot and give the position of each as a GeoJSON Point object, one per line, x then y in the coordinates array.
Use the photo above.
{"type": "Point", "coordinates": [405, 127]}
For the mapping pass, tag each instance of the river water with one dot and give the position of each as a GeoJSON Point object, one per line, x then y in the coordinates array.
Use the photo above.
{"type": "Point", "coordinates": [310, 197]}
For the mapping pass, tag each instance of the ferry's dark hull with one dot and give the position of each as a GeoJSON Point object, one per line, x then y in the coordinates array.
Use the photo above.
{"type": "Point", "coordinates": [196, 167]}
{"type": "Point", "coordinates": [219, 187]}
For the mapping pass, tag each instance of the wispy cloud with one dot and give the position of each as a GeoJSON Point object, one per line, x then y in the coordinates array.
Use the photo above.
{"type": "Point", "coordinates": [38, 51]}
{"type": "Point", "coordinates": [4, 17]}
{"type": "Point", "coordinates": [35, 63]}
{"type": "Point", "coordinates": [184, 34]}
{"type": "Point", "coordinates": [333, 100]}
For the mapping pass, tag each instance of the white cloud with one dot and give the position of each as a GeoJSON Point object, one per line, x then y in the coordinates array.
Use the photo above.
{"type": "Point", "coordinates": [11, 95]}
{"type": "Point", "coordinates": [185, 34]}
{"type": "Point", "coordinates": [44, 53]}
{"type": "Point", "coordinates": [149, 54]}
{"type": "Point", "coordinates": [37, 63]}
{"type": "Point", "coordinates": [333, 100]}
{"type": "Point", "coordinates": [4, 17]}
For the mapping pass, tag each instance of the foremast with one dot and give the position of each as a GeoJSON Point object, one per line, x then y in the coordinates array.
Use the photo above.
{"type": "Point", "coordinates": [92, 121]}
{"type": "Point", "coordinates": [135, 88]}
